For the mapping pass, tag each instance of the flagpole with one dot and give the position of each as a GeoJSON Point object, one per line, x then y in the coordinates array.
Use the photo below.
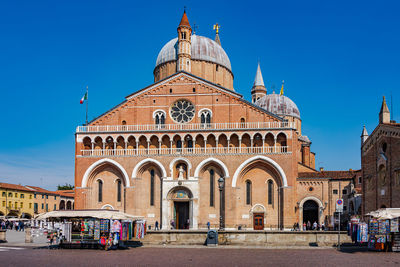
{"type": "Point", "coordinates": [87, 104]}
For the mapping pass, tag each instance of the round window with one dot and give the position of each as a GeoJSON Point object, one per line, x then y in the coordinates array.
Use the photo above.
{"type": "Point", "coordinates": [310, 189]}
{"type": "Point", "coordinates": [182, 111]}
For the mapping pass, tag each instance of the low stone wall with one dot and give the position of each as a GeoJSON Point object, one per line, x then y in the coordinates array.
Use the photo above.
{"type": "Point", "coordinates": [247, 238]}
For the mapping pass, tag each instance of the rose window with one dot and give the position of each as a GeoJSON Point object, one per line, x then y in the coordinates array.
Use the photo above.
{"type": "Point", "coordinates": [182, 111]}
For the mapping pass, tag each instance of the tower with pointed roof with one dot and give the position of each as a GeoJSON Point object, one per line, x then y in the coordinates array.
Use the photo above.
{"type": "Point", "coordinates": [384, 114]}
{"type": "Point", "coordinates": [184, 44]}
{"type": "Point", "coordinates": [258, 90]}
{"type": "Point", "coordinates": [364, 135]}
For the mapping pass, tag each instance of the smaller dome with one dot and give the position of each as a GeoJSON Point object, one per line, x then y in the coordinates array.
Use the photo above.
{"type": "Point", "coordinates": [279, 104]}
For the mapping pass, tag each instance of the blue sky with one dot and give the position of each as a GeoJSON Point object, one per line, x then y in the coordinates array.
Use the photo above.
{"type": "Point", "coordinates": [337, 59]}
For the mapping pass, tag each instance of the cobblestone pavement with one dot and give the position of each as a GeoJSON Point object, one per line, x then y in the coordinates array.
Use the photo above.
{"type": "Point", "coordinates": [146, 256]}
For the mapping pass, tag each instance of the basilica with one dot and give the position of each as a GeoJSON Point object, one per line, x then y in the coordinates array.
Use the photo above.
{"type": "Point", "coordinates": [189, 150]}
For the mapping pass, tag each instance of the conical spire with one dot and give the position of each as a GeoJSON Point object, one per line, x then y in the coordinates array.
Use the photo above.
{"type": "Point", "coordinates": [384, 114]}
{"type": "Point", "coordinates": [217, 40]}
{"type": "Point", "coordinates": [184, 21]}
{"type": "Point", "coordinates": [258, 81]}
{"type": "Point", "coordinates": [364, 135]}
{"type": "Point", "coordinates": [216, 28]}
{"type": "Point", "coordinates": [384, 107]}
{"type": "Point", "coordinates": [364, 132]}
{"type": "Point", "coordinates": [258, 90]}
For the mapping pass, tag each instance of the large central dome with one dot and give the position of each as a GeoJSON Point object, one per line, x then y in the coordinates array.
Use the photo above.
{"type": "Point", "coordinates": [202, 48]}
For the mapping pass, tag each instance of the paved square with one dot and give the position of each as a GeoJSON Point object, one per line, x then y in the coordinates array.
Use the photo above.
{"type": "Point", "coordinates": [159, 256]}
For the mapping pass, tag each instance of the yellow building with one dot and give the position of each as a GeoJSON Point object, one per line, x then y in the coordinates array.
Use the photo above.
{"type": "Point", "coordinates": [16, 201]}
{"type": "Point", "coordinates": [45, 200]}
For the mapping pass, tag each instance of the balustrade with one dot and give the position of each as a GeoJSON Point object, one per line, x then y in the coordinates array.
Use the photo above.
{"type": "Point", "coordinates": [185, 151]}
{"type": "Point", "coordinates": [186, 127]}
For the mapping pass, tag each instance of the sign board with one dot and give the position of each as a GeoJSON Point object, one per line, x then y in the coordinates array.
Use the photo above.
{"type": "Point", "coordinates": [339, 205]}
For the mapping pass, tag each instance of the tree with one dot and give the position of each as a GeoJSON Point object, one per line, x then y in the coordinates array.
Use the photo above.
{"type": "Point", "coordinates": [65, 187]}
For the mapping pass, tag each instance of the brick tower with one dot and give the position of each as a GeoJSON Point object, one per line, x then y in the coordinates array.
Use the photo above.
{"type": "Point", "coordinates": [184, 44]}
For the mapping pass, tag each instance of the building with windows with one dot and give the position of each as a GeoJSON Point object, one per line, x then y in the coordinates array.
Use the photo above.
{"type": "Point", "coordinates": [189, 149]}
{"type": "Point", "coordinates": [45, 200]}
{"type": "Point", "coordinates": [380, 164]}
{"type": "Point", "coordinates": [319, 192]}
{"type": "Point", "coordinates": [16, 201]}
{"type": "Point", "coordinates": [26, 201]}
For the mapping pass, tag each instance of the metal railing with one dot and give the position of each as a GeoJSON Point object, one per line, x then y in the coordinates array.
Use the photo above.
{"type": "Point", "coordinates": [186, 127]}
{"type": "Point", "coordinates": [185, 151]}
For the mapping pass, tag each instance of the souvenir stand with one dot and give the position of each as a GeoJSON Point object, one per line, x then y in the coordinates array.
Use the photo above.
{"type": "Point", "coordinates": [384, 230]}
{"type": "Point", "coordinates": [94, 228]}
{"type": "Point", "coordinates": [357, 230]}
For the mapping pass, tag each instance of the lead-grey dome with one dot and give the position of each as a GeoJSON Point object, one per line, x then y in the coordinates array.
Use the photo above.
{"type": "Point", "coordinates": [279, 104]}
{"type": "Point", "coordinates": [203, 48]}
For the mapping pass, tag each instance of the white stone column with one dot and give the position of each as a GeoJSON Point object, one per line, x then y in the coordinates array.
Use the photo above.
{"type": "Point", "coordinates": [263, 143]}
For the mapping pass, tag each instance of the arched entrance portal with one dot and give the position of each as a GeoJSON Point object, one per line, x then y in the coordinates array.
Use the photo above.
{"type": "Point", "coordinates": [181, 204]}
{"type": "Point", "coordinates": [310, 212]}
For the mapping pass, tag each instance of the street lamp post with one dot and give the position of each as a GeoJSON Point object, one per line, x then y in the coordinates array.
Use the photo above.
{"type": "Point", "coordinates": [221, 182]}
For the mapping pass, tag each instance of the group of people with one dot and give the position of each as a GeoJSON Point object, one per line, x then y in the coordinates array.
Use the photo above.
{"type": "Point", "coordinates": [309, 227]}
{"type": "Point", "coordinates": [9, 225]}
{"type": "Point", "coordinates": [315, 226]}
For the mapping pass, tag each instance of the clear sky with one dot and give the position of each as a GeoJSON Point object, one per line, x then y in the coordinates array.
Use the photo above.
{"type": "Point", "coordinates": [337, 59]}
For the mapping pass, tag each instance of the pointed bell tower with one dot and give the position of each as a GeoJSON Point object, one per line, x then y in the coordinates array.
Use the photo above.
{"type": "Point", "coordinates": [384, 114]}
{"type": "Point", "coordinates": [258, 90]}
{"type": "Point", "coordinates": [184, 45]}
{"type": "Point", "coordinates": [364, 135]}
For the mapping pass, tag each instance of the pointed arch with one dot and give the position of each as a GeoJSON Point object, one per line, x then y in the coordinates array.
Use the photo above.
{"type": "Point", "coordinates": [208, 160]}
{"type": "Point", "coordinates": [148, 160]}
{"type": "Point", "coordinates": [102, 162]}
{"type": "Point", "coordinates": [263, 158]}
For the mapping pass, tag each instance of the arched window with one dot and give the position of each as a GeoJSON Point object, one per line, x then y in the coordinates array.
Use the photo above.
{"type": "Point", "coordinates": [212, 181]}
{"type": "Point", "coordinates": [248, 192]}
{"type": "Point", "coordinates": [270, 192]}
{"type": "Point", "coordinates": [152, 188]}
{"type": "Point", "coordinates": [159, 118]}
{"type": "Point", "coordinates": [205, 117]}
{"type": "Point", "coordinates": [100, 191]}
{"type": "Point", "coordinates": [119, 190]}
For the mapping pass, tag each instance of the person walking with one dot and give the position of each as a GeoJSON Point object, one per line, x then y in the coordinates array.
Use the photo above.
{"type": "Point", "coordinates": [308, 225]}
{"type": "Point", "coordinates": [315, 225]}
{"type": "Point", "coordinates": [304, 226]}
{"type": "Point", "coordinates": [208, 225]}
{"type": "Point", "coordinates": [156, 226]}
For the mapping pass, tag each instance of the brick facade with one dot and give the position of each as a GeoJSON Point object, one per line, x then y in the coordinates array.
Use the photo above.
{"type": "Point", "coordinates": [136, 157]}
{"type": "Point", "coordinates": [380, 162]}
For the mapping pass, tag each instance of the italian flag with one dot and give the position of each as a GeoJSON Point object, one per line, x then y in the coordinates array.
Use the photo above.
{"type": "Point", "coordinates": [85, 97]}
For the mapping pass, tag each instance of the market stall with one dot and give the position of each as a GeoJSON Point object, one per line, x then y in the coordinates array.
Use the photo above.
{"type": "Point", "coordinates": [384, 230]}
{"type": "Point", "coordinates": [93, 228]}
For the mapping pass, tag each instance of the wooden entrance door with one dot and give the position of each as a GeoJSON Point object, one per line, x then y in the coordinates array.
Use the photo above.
{"type": "Point", "coordinates": [258, 221]}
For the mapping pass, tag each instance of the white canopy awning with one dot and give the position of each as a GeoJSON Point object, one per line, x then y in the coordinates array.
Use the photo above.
{"type": "Point", "coordinates": [99, 214]}
{"type": "Point", "coordinates": [385, 214]}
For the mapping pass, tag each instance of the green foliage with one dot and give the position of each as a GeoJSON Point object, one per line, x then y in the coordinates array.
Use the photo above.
{"type": "Point", "coordinates": [65, 187]}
